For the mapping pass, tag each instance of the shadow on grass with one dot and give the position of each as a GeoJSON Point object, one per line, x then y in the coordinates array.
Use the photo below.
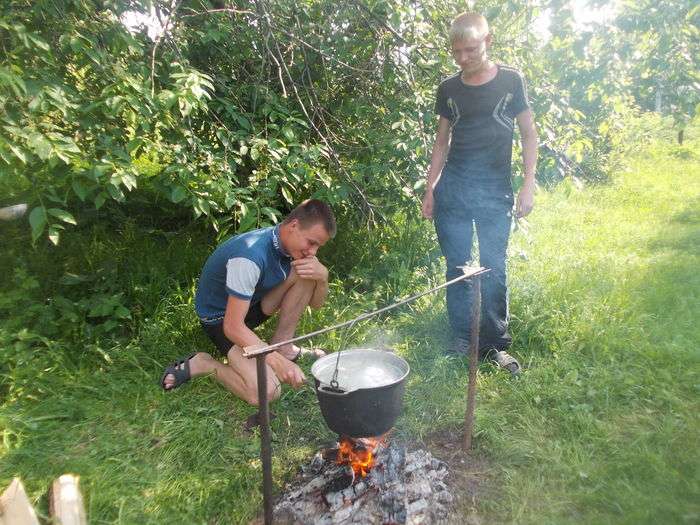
{"type": "Point", "coordinates": [603, 411]}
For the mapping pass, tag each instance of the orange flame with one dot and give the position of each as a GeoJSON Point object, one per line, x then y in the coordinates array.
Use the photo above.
{"type": "Point", "coordinates": [359, 454]}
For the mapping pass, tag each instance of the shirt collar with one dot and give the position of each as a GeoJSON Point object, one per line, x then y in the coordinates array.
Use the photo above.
{"type": "Point", "coordinates": [277, 242]}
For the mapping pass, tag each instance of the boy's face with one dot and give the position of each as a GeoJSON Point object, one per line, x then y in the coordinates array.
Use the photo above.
{"type": "Point", "coordinates": [305, 242]}
{"type": "Point", "coordinates": [470, 54]}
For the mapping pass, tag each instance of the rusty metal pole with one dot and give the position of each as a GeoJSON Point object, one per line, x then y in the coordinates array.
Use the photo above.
{"type": "Point", "coordinates": [265, 441]}
{"type": "Point", "coordinates": [473, 362]}
{"type": "Point", "coordinates": [260, 351]}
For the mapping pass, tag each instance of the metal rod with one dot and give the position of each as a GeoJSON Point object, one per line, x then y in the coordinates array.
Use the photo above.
{"type": "Point", "coordinates": [265, 442]}
{"type": "Point", "coordinates": [473, 363]}
{"type": "Point", "coordinates": [252, 351]}
{"type": "Point", "coordinates": [264, 412]}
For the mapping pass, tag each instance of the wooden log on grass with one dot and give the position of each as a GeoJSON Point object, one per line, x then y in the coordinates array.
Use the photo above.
{"type": "Point", "coordinates": [65, 501]}
{"type": "Point", "coordinates": [9, 213]}
{"type": "Point", "coordinates": [15, 507]}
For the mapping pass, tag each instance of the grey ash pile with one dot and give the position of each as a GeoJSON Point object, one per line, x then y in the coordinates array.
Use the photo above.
{"type": "Point", "coordinates": [401, 488]}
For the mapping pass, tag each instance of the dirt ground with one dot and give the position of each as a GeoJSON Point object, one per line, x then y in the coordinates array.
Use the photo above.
{"type": "Point", "coordinates": [470, 479]}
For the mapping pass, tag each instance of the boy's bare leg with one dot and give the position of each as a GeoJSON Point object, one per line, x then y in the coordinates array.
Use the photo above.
{"type": "Point", "coordinates": [245, 378]}
{"type": "Point", "coordinates": [238, 377]}
{"type": "Point", "coordinates": [290, 298]}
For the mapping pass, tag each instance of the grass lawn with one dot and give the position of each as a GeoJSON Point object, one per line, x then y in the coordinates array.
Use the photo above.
{"type": "Point", "coordinates": [601, 428]}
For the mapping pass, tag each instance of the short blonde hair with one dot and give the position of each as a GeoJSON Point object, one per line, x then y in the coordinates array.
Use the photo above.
{"type": "Point", "coordinates": [468, 25]}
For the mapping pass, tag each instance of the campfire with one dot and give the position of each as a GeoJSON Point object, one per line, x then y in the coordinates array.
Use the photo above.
{"type": "Point", "coordinates": [369, 481]}
{"type": "Point", "coordinates": [358, 453]}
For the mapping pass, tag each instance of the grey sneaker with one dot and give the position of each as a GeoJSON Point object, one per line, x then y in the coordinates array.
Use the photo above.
{"type": "Point", "coordinates": [504, 360]}
{"type": "Point", "coordinates": [459, 347]}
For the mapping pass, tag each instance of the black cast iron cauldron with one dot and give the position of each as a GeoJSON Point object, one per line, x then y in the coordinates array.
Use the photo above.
{"type": "Point", "coordinates": [369, 395]}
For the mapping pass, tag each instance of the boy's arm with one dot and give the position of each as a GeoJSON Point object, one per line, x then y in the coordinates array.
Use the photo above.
{"type": "Point", "coordinates": [237, 332]}
{"type": "Point", "coordinates": [234, 323]}
{"type": "Point", "coordinates": [528, 139]}
{"type": "Point", "coordinates": [311, 268]}
{"type": "Point", "coordinates": [437, 160]}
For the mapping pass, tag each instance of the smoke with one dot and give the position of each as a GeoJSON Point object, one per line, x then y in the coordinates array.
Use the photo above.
{"type": "Point", "coordinates": [378, 339]}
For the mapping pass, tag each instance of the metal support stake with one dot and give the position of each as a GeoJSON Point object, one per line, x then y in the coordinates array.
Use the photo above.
{"type": "Point", "coordinates": [473, 362]}
{"type": "Point", "coordinates": [259, 352]}
{"type": "Point", "coordinates": [265, 441]}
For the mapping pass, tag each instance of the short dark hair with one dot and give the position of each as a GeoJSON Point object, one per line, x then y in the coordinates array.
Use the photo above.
{"type": "Point", "coordinates": [313, 211]}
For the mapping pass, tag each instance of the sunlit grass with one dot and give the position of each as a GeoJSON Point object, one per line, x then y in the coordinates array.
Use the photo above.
{"type": "Point", "coordinates": [601, 428]}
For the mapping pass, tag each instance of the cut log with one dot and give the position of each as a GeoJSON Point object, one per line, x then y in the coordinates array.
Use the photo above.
{"type": "Point", "coordinates": [65, 501]}
{"type": "Point", "coordinates": [15, 508]}
{"type": "Point", "coordinates": [9, 213]}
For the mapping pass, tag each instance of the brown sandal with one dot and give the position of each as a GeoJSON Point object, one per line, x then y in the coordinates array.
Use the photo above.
{"type": "Point", "coordinates": [505, 360]}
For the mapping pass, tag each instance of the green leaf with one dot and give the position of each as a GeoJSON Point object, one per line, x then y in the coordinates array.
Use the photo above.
{"type": "Point", "coordinates": [38, 42]}
{"type": "Point", "coordinates": [100, 200]}
{"type": "Point", "coordinates": [37, 220]}
{"type": "Point", "coordinates": [270, 212]}
{"type": "Point", "coordinates": [109, 325]}
{"type": "Point", "coordinates": [177, 194]}
{"type": "Point", "coordinates": [41, 146]}
{"type": "Point", "coordinates": [116, 192]}
{"type": "Point", "coordinates": [128, 180]}
{"type": "Point", "coordinates": [63, 215]}
{"type": "Point", "coordinates": [247, 221]}
{"type": "Point", "coordinates": [18, 153]}
{"type": "Point", "coordinates": [288, 133]}
{"type": "Point", "coordinates": [229, 200]}
{"type": "Point", "coordinates": [80, 190]}
{"type": "Point", "coordinates": [204, 206]}
{"type": "Point", "coordinates": [99, 309]}
{"type": "Point", "coordinates": [167, 98]}
{"type": "Point", "coordinates": [54, 233]}
{"type": "Point", "coordinates": [133, 145]}
{"type": "Point", "coordinates": [122, 312]}
{"type": "Point", "coordinates": [244, 122]}
{"type": "Point", "coordinates": [287, 195]}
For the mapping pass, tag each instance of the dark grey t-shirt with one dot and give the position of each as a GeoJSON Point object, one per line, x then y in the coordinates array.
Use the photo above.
{"type": "Point", "coordinates": [481, 120]}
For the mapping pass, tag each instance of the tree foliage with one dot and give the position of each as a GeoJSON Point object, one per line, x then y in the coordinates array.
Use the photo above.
{"type": "Point", "coordinates": [237, 110]}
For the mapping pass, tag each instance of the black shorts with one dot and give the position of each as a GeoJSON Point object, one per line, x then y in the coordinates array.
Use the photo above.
{"type": "Point", "coordinates": [254, 318]}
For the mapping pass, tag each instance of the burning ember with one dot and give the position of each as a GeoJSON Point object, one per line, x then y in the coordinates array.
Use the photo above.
{"type": "Point", "coordinates": [358, 453]}
{"type": "Point", "coordinates": [369, 482]}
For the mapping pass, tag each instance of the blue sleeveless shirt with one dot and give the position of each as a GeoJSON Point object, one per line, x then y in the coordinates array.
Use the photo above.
{"type": "Point", "coordinates": [246, 266]}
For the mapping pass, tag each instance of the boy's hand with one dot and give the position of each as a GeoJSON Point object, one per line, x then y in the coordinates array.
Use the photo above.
{"type": "Point", "coordinates": [526, 201]}
{"type": "Point", "coordinates": [310, 268]}
{"type": "Point", "coordinates": [286, 371]}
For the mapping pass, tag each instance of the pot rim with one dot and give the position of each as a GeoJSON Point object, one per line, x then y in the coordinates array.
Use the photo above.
{"type": "Point", "coordinates": [328, 357]}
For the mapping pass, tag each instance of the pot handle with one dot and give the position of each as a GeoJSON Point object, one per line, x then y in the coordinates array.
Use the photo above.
{"type": "Point", "coordinates": [327, 389]}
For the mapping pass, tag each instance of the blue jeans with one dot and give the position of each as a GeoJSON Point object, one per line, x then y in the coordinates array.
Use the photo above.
{"type": "Point", "coordinates": [462, 205]}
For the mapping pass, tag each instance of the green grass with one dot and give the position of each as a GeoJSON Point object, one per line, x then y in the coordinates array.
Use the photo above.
{"type": "Point", "coordinates": [601, 428]}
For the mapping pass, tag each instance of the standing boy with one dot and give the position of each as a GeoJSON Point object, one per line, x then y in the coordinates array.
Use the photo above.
{"type": "Point", "coordinates": [469, 180]}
